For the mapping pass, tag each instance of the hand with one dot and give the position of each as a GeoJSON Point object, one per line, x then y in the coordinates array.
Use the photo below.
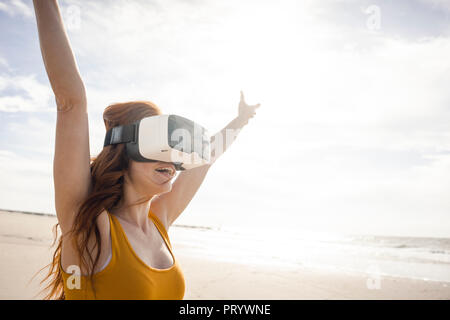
{"type": "Point", "coordinates": [246, 111]}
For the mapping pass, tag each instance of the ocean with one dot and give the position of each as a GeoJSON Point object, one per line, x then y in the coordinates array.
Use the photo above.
{"type": "Point", "coordinates": [423, 258]}
{"type": "Point", "coordinates": [408, 257]}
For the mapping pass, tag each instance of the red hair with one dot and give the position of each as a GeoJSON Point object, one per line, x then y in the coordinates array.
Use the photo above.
{"type": "Point", "coordinates": [107, 171]}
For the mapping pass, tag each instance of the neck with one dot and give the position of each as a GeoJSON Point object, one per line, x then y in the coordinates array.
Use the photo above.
{"type": "Point", "coordinates": [136, 215]}
{"type": "Point", "coordinates": [134, 207]}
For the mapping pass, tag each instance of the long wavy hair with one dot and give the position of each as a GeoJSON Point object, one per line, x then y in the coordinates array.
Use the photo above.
{"type": "Point", "coordinates": [107, 170]}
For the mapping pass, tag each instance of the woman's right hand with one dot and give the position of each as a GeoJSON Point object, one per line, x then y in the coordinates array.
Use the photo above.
{"type": "Point", "coordinates": [71, 163]}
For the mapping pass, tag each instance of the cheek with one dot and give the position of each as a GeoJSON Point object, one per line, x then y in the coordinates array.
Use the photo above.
{"type": "Point", "coordinates": [144, 168]}
{"type": "Point", "coordinates": [143, 175]}
{"type": "Point", "coordinates": [139, 169]}
{"type": "Point", "coordinates": [135, 174]}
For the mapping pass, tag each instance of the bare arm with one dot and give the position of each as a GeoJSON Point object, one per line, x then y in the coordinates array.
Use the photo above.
{"type": "Point", "coordinates": [173, 203]}
{"type": "Point", "coordinates": [71, 172]}
{"type": "Point", "coordinates": [58, 58]}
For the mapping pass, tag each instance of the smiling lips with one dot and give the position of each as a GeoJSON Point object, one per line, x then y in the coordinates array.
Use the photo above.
{"type": "Point", "coordinates": [168, 171]}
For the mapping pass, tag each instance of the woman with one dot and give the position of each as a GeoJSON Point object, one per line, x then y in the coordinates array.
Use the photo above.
{"type": "Point", "coordinates": [113, 212]}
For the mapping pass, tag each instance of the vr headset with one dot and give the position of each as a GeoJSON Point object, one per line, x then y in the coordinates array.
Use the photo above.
{"type": "Point", "coordinates": [167, 138]}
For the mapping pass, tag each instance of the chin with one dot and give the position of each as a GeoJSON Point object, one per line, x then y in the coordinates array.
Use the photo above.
{"type": "Point", "coordinates": [165, 187]}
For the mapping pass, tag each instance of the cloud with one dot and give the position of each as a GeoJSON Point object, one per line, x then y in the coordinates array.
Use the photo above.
{"type": "Point", "coordinates": [23, 93]}
{"type": "Point", "coordinates": [31, 133]}
{"type": "Point", "coordinates": [16, 7]}
{"type": "Point", "coordinates": [4, 63]}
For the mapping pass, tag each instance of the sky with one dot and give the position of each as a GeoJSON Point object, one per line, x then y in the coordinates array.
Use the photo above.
{"type": "Point", "coordinates": [353, 132]}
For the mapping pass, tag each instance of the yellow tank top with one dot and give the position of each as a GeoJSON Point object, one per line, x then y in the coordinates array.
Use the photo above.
{"type": "Point", "coordinates": [126, 276]}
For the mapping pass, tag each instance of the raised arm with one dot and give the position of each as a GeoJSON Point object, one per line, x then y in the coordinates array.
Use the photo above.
{"type": "Point", "coordinates": [58, 58]}
{"type": "Point", "coordinates": [170, 205]}
{"type": "Point", "coordinates": [71, 163]}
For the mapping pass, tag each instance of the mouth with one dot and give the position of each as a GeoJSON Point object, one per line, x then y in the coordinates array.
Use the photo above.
{"type": "Point", "coordinates": [167, 171]}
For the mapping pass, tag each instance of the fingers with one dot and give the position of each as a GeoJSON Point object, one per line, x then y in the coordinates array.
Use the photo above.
{"type": "Point", "coordinates": [243, 100]}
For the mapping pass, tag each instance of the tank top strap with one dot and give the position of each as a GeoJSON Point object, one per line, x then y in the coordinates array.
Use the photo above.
{"type": "Point", "coordinates": [117, 236]}
{"type": "Point", "coordinates": [160, 227]}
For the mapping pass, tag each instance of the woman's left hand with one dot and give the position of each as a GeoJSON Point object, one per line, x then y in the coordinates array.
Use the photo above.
{"type": "Point", "coordinates": [246, 111]}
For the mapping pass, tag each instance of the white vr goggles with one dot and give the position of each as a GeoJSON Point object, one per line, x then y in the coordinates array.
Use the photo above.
{"type": "Point", "coordinates": [166, 138]}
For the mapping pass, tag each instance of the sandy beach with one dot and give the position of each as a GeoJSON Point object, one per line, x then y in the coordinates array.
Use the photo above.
{"type": "Point", "coordinates": [25, 248]}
